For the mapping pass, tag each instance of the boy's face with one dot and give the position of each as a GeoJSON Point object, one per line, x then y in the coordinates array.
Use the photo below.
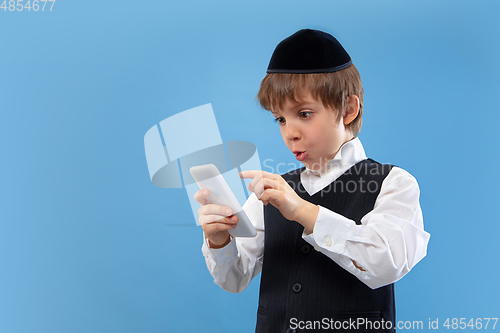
{"type": "Point", "coordinates": [311, 131]}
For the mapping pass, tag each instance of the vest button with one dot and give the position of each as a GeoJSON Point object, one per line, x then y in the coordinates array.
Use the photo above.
{"type": "Point", "coordinates": [297, 287]}
{"type": "Point", "coordinates": [291, 330]}
{"type": "Point", "coordinates": [305, 249]}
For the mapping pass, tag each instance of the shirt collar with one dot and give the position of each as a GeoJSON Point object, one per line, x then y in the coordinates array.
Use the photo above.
{"type": "Point", "coordinates": [349, 154]}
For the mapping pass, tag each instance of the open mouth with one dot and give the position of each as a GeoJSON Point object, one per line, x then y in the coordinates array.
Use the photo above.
{"type": "Point", "coordinates": [300, 155]}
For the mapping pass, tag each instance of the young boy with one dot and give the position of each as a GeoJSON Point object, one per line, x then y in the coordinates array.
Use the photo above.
{"type": "Point", "coordinates": [334, 235]}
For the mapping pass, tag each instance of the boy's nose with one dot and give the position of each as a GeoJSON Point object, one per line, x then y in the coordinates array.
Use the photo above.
{"type": "Point", "coordinates": [292, 133]}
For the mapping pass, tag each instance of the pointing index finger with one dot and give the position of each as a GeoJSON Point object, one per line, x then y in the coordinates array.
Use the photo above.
{"type": "Point", "coordinates": [250, 173]}
{"type": "Point", "coordinates": [257, 173]}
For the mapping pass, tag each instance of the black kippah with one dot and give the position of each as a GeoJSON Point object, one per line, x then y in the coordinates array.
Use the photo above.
{"type": "Point", "coordinates": [309, 51]}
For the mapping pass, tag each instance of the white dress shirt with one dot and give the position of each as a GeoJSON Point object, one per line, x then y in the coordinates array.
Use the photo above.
{"type": "Point", "coordinates": [389, 241]}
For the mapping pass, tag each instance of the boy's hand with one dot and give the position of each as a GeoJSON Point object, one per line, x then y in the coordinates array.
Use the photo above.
{"type": "Point", "coordinates": [215, 220]}
{"type": "Point", "coordinates": [272, 188]}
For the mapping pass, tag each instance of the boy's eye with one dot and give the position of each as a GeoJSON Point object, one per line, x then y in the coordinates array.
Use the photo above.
{"type": "Point", "coordinates": [280, 120]}
{"type": "Point", "coordinates": [305, 114]}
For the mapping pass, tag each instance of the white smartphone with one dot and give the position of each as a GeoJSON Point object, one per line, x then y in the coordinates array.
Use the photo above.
{"type": "Point", "coordinates": [208, 177]}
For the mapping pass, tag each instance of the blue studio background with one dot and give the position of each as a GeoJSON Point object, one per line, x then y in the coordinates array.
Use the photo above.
{"type": "Point", "coordinates": [88, 244]}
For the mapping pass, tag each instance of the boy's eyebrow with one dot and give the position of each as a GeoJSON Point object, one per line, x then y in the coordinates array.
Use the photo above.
{"type": "Point", "coordinates": [298, 105]}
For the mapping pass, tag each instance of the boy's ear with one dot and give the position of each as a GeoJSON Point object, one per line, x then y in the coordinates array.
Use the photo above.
{"type": "Point", "coordinates": [351, 109]}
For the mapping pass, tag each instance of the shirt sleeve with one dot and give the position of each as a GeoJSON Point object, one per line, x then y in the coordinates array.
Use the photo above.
{"type": "Point", "coordinates": [236, 264]}
{"type": "Point", "coordinates": [389, 241]}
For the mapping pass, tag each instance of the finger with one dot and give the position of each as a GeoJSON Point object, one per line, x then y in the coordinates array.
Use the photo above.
{"type": "Point", "coordinates": [216, 219]}
{"type": "Point", "coordinates": [213, 228]}
{"type": "Point", "coordinates": [256, 178]}
{"type": "Point", "coordinates": [269, 195]}
{"type": "Point", "coordinates": [263, 185]}
{"type": "Point", "coordinates": [219, 210]}
{"type": "Point", "coordinates": [201, 196]}
{"type": "Point", "coordinates": [258, 175]}
{"type": "Point", "coordinates": [253, 173]}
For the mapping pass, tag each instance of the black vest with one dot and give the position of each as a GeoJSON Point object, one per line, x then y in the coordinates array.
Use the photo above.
{"type": "Point", "coordinates": [301, 286]}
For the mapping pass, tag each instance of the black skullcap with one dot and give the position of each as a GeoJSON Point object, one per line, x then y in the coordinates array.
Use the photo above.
{"type": "Point", "coordinates": [309, 51]}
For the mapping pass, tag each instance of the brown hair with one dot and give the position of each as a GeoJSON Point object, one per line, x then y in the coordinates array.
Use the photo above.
{"type": "Point", "coordinates": [330, 88]}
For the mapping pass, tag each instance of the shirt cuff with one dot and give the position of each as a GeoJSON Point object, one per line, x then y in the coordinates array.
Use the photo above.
{"type": "Point", "coordinates": [330, 231]}
{"type": "Point", "coordinates": [223, 255]}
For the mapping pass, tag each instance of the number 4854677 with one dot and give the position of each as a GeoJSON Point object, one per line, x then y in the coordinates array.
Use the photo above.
{"type": "Point", "coordinates": [36, 5]}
